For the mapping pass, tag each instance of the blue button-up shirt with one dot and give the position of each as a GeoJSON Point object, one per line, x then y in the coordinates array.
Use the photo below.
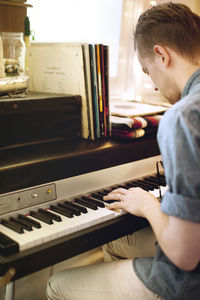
{"type": "Point", "coordinates": [179, 143]}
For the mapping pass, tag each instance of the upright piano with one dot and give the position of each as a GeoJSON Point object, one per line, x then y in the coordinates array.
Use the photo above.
{"type": "Point", "coordinates": [39, 182]}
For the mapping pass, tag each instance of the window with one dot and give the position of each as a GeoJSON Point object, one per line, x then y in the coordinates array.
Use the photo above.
{"type": "Point", "coordinates": [92, 21]}
{"type": "Point", "coordinates": [100, 21]}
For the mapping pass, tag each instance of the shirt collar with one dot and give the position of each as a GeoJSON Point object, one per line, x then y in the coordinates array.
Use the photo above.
{"type": "Point", "coordinates": [193, 80]}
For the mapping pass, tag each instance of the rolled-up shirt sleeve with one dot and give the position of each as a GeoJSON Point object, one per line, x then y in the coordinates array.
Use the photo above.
{"type": "Point", "coordinates": [181, 207]}
{"type": "Point", "coordinates": [180, 148]}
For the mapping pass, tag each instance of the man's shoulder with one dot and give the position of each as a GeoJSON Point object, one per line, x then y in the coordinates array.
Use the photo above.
{"type": "Point", "coordinates": [183, 117]}
{"type": "Point", "coordinates": [185, 107]}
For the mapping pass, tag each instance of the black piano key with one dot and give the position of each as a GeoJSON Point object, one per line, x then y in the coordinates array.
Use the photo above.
{"type": "Point", "coordinates": [153, 181]}
{"type": "Point", "coordinates": [128, 185]}
{"type": "Point", "coordinates": [85, 203]}
{"type": "Point", "coordinates": [160, 176]}
{"type": "Point", "coordinates": [93, 201]}
{"type": "Point", "coordinates": [118, 186]}
{"type": "Point", "coordinates": [81, 208]}
{"type": "Point", "coordinates": [97, 196]}
{"type": "Point", "coordinates": [148, 185]}
{"type": "Point", "coordinates": [43, 218]}
{"type": "Point", "coordinates": [15, 227]}
{"type": "Point", "coordinates": [29, 221]}
{"type": "Point", "coordinates": [113, 188]}
{"type": "Point", "coordinates": [7, 245]}
{"type": "Point", "coordinates": [159, 180]}
{"type": "Point", "coordinates": [61, 211]}
{"type": "Point", "coordinates": [53, 216]}
{"type": "Point", "coordinates": [151, 184]}
{"type": "Point", "coordinates": [23, 224]}
{"type": "Point", "coordinates": [103, 193]}
{"type": "Point", "coordinates": [143, 185]}
{"type": "Point", "coordinates": [100, 197]}
{"type": "Point", "coordinates": [73, 210]}
{"type": "Point", "coordinates": [135, 184]}
{"type": "Point", "coordinates": [107, 191]}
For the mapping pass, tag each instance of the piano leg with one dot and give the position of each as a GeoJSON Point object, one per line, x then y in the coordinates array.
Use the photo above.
{"type": "Point", "coordinates": [10, 287]}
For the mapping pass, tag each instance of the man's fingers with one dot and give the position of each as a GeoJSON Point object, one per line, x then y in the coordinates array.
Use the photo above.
{"type": "Point", "coordinates": [115, 205]}
{"type": "Point", "coordinates": [120, 191]}
{"type": "Point", "coordinates": [113, 196]}
{"type": "Point", "coordinates": [117, 194]}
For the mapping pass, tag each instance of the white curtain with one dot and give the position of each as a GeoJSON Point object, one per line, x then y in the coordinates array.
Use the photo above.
{"type": "Point", "coordinates": [130, 82]}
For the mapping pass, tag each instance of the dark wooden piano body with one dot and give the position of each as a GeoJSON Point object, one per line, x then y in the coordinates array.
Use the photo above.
{"type": "Point", "coordinates": [24, 167]}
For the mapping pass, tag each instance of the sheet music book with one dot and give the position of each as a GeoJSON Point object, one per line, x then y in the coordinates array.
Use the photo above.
{"type": "Point", "coordinates": [59, 68]}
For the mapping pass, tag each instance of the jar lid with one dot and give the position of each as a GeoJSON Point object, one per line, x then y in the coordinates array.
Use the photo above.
{"type": "Point", "coordinates": [11, 35]}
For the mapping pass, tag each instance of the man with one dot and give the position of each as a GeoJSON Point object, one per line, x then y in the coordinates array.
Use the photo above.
{"type": "Point", "coordinates": [167, 42]}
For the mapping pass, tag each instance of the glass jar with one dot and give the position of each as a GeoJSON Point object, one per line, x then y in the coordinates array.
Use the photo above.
{"type": "Point", "coordinates": [13, 53]}
{"type": "Point", "coordinates": [2, 69]}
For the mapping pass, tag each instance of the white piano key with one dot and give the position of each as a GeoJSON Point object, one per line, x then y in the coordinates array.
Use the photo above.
{"type": "Point", "coordinates": [155, 192]}
{"type": "Point", "coordinates": [163, 189]}
{"type": "Point", "coordinates": [49, 232]}
{"type": "Point", "coordinates": [17, 237]}
{"type": "Point", "coordinates": [32, 238]}
{"type": "Point", "coordinates": [42, 232]}
{"type": "Point", "coordinates": [67, 226]}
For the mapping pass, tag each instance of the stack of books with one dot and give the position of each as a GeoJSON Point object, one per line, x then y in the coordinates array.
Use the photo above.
{"type": "Point", "coordinates": [131, 119]}
{"type": "Point", "coordinates": [76, 69]}
{"type": "Point", "coordinates": [135, 127]}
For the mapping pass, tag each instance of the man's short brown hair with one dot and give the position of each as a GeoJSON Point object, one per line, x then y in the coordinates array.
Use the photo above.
{"type": "Point", "coordinates": [169, 24]}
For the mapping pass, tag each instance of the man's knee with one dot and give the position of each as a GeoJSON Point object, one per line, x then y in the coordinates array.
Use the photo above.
{"type": "Point", "coordinates": [53, 288]}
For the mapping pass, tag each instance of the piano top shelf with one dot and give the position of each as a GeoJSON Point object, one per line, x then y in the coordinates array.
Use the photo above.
{"type": "Point", "coordinates": [9, 3]}
{"type": "Point", "coordinates": [31, 165]}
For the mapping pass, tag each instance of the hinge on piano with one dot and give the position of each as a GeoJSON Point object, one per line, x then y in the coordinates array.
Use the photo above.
{"type": "Point", "coordinates": [4, 280]}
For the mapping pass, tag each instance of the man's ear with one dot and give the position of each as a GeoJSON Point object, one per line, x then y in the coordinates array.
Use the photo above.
{"type": "Point", "coordinates": [162, 54]}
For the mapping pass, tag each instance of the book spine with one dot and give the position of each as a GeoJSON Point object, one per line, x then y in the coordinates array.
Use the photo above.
{"type": "Point", "coordinates": [103, 89]}
{"type": "Point", "coordinates": [98, 60]}
{"type": "Point", "coordinates": [95, 102]}
{"type": "Point", "coordinates": [107, 97]}
{"type": "Point", "coordinates": [86, 59]}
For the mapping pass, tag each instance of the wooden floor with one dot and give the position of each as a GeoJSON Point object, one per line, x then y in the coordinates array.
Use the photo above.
{"type": "Point", "coordinates": [33, 287]}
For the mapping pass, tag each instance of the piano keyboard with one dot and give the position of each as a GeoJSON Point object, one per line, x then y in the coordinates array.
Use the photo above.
{"type": "Point", "coordinates": [27, 228]}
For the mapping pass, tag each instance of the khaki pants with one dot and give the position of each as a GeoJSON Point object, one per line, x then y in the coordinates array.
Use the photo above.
{"type": "Point", "coordinates": [113, 280]}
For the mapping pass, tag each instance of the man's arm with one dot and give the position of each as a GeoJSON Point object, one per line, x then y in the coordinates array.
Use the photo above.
{"type": "Point", "coordinates": [179, 239]}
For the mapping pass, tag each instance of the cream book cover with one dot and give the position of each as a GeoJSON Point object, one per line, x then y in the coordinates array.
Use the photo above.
{"type": "Point", "coordinates": [59, 68]}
